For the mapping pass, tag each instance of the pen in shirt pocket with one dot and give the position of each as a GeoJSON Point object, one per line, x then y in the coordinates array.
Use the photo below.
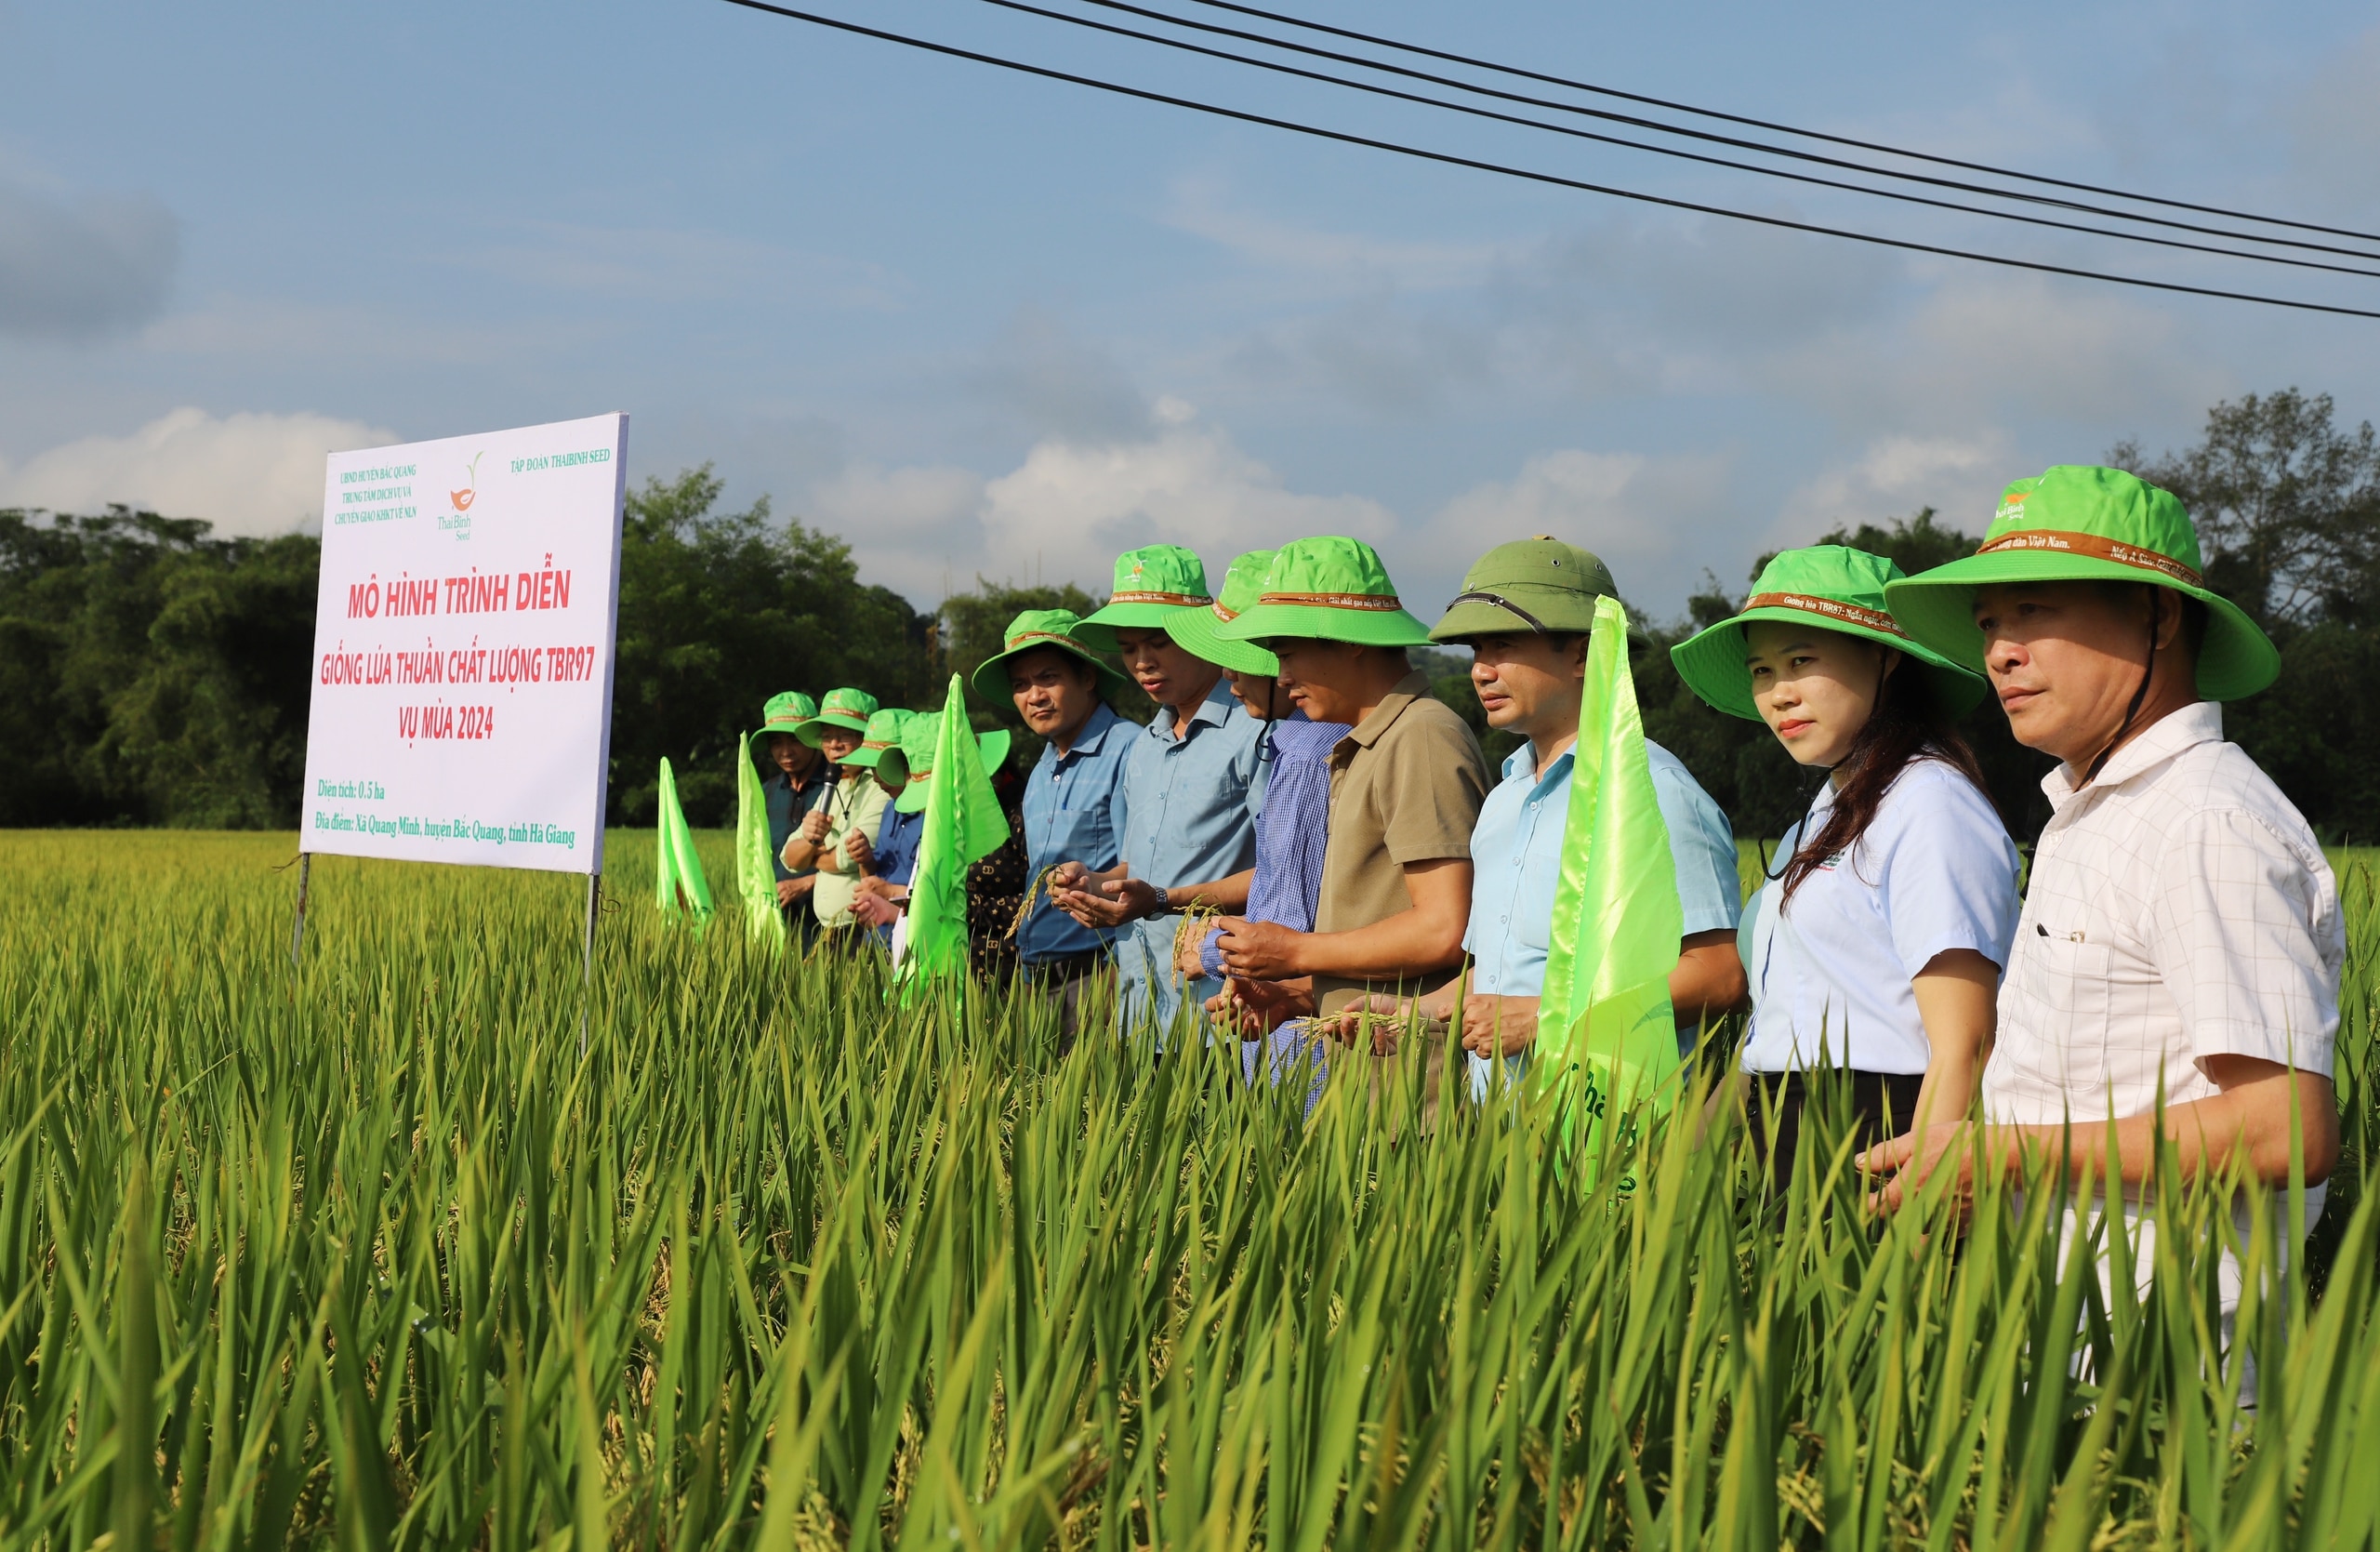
{"type": "Point", "coordinates": [2070, 937]}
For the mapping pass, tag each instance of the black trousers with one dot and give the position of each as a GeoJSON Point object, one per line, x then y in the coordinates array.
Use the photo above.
{"type": "Point", "coordinates": [1065, 977]}
{"type": "Point", "coordinates": [1876, 1106]}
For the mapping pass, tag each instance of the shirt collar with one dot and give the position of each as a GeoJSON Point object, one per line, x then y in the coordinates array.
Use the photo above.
{"type": "Point", "coordinates": [1093, 734]}
{"type": "Point", "coordinates": [1522, 764]}
{"type": "Point", "coordinates": [2199, 723]}
{"type": "Point", "coordinates": [1410, 688]}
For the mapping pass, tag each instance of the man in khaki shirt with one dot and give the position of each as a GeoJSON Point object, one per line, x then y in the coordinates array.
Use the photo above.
{"type": "Point", "coordinates": [1406, 787]}
{"type": "Point", "coordinates": [836, 837]}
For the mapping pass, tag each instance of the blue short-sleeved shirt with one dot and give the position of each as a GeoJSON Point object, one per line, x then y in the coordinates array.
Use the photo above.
{"type": "Point", "coordinates": [1187, 816]}
{"type": "Point", "coordinates": [1071, 814]}
{"type": "Point", "coordinates": [1516, 861]}
{"type": "Point", "coordinates": [1934, 871]}
{"type": "Point", "coordinates": [896, 844]}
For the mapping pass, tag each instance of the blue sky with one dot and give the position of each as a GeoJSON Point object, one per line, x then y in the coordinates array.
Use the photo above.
{"type": "Point", "coordinates": [975, 322]}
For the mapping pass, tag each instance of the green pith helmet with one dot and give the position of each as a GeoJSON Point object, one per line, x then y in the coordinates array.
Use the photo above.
{"type": "Point", "coordinates": [1535, 585]}
{"type": "Point", "coordinates": [786, 711]}
{"type": "Point", "coordinates": [1329, 589]}
{"type": "Point", "coordinates": [883, 733]}
{"type": "Point", "coordinates": [1154, 587]}
{"type": "Point", "coordinates": [1833, 588]}
{"type": "Point", "coordinates": [1033, 629]}
{"type": "Point", "coordinates": [1193, 629]}
{"type": "Point", "coordinates": [2078, 522]}
{"type": "Point", "coordinates": [912, 764]}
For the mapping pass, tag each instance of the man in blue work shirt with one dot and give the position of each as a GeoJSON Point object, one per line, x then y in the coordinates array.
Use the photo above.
{"type": "Point", "coordinates": [1069, 809]}
{"type": "Point", "coordinates": [1186, 812]}
{"type": "Point", "coordinates": [1525, 610]}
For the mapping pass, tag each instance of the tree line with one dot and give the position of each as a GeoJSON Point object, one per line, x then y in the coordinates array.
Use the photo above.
{"type": "Point", "coordinates": [152, 674]}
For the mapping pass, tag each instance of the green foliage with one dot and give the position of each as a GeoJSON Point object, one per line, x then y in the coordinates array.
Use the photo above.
{"type": "Point", "coordinates": [151, 674]}
{"type": "Point", "coordinates": [2288, 512]}
{"type": "Point", "coordinates": [367, 1253]}
{"type": "Point", "coordinates": [720, 610]}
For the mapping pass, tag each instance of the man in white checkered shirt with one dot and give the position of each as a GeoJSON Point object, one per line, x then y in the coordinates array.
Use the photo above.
{"type": "Point", "coordinates": [2182, 929]}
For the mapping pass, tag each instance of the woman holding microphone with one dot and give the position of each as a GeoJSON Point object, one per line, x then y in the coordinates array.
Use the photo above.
{"type": "Point", "coordinates": [1876, 943]}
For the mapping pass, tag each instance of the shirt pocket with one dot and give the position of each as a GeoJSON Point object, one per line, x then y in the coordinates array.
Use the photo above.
{"type": "Point", "coordinates": [1532, 907]}
{"type": "Point", "coordinates": [2064, 987]}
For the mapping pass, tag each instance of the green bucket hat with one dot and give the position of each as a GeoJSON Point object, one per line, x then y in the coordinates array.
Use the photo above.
{"type": "Point", "coordinates": [845, 708]}
{"type": "Point", "coordinates": [883, 733]}
{"type": "Point", "coordinates": [912, 763]}
{"type": "Point", "coordinates": [1829, 585]}
{"type": "Point", "coordinates": [1541, 585]}
{"type": "Point", "coordinates": [2078, 522]}
{"type": "Point", "coordinates": [1193, 629]}
{"type": "Point", "coordinates": [1032, 630]}
{"type": "Point", "coordinates": [1154, 587]}
{"type": "Point", "coordinates": [786, 711]}
{"type": "Point", "coordinates": [1330, 590]}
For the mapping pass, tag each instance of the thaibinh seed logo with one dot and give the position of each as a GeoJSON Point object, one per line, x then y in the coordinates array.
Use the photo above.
{"type": "Point", "coordinates": [469, 493]}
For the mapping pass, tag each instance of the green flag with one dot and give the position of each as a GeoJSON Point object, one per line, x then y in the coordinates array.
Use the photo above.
{"type": "Point", "coordinates": [756, 874]}
{"type": "Point", "coordinates": [679, 887]}
{"type": "Point", "coordinates": [1607, 1038]}
{"type": "Point", "coordinates": [963, 824]}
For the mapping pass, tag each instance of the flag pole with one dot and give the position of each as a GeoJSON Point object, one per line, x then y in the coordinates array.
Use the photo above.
{"type": "Point", "coordinates": [586, 957]}
{"type": "Point", "coordinates": [298, 923]}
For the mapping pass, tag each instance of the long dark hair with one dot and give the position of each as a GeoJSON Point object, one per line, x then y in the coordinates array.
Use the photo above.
{"type": "Point", "coordinates": [1906, 725]}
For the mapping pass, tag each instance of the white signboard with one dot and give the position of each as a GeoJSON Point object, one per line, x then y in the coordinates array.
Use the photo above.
{"type": "Point", "coordinates": [462, 706]}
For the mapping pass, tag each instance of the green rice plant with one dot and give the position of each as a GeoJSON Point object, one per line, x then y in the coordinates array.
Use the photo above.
{"type": "Point", "coordinates": [363, 1251]}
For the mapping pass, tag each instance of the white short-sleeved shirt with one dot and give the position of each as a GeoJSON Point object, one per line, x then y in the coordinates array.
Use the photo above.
{"type": "Point", "coordinates": [2179, 908]}
{"type": "Point", "coordinates": [1934, 871]}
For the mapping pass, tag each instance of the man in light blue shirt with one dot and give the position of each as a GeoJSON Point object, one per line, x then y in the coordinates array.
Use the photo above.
{"type": "Point", "coordinates": [1525, 610]}
{"type": "Point", "coordinates": [1069, 808]}
{"type": "Point", "coordinates": [1186, 814]}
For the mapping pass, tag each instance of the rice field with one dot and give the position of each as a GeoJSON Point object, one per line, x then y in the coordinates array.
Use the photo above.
{"type": "Point", "coordinates": [367, 1253]}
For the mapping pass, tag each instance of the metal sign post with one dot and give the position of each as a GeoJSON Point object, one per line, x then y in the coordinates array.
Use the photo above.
{"type": "Point", "coordinates": [297, 926]}
{"type": "Point", "coordinates": [587, 964]}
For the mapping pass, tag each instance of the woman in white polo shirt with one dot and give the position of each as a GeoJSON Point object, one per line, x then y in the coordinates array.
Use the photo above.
{"type": "Point", "coordinates": [1877, 942]}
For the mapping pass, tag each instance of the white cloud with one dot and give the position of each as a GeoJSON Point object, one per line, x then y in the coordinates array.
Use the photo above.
{"type": "Point", "coordinates": [1186, 483]}
{"type": "Point", "coordinates": [1202, 206]}
{"type": "Point", "coordinates": [245, 473]}
{"type": "Point", "coordinates": [1074, 504]}
{"type": "Point", "coordinates": [1635, 511]}
{"type": "Point", "coordinates": [1892, 478]}
{"type": "Point", "coordinates": [79, 268]}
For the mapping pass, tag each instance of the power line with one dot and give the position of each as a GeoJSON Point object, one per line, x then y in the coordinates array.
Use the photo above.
{"type": "Point", "coordinates": [1449, 159]}
{"type": "Point", "coordinates": [1778, 128]}
{"type": "Point", "coordinates": [1761, 147]}
{"type": "Point", "coordinates": [1576, 133]}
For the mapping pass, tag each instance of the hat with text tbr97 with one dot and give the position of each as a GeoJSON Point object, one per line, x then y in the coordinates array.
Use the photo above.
{"type": "Point", "coordinates": [1058, 629]}
{"type": "Point", "coordinates": [912, 763]}
{"type": "Point", "coordinates": [2078, 522]}
{"type": "Point", "coordinates": [1193, 629]}
{"type": "Point", "coordinates": [786, 711]}
{"type": "Point", "coordinates": [1152, 587]}
{"type": "Point", "coordinates": [884, 732]}
{"type": "Point", "coordinates": [1329, 589]}
{"type": "Point", "coordinates": [846, 708]}
{"type": "Point", "coordinates": [1529, 587]}
{"type": "Point", "coordinates": [1827, 587]}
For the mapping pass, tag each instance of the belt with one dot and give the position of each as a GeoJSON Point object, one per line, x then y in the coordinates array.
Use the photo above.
{"type": "Point", "coordinates": [1058, 971]}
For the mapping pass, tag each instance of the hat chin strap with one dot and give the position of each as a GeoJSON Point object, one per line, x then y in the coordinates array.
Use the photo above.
{"type": "Point", "coordinates": [1481, 596]}
{"type": "Point", "coordinates": [2147, 673]}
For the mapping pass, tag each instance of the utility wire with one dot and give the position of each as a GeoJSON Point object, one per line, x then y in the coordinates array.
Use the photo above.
{"type": "Point", "coordinates": [1769, 124]}
{"type": "Point", "coordinates": [1761, 147]}
{"type": "Point", "coordinates": [1449, 159]}
{"type": "Point", "coordinates": [1577, 133]}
